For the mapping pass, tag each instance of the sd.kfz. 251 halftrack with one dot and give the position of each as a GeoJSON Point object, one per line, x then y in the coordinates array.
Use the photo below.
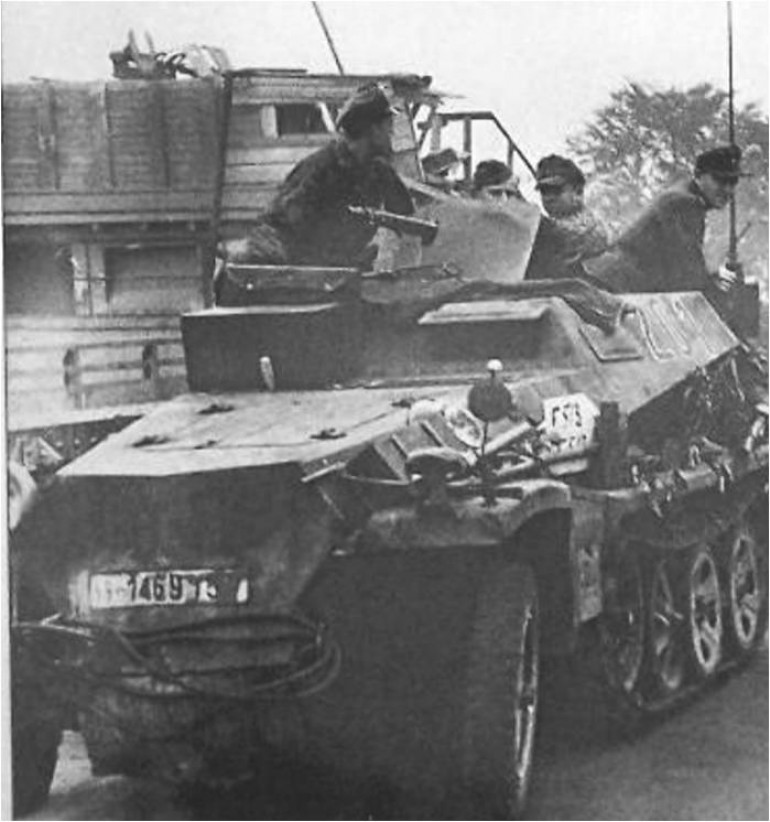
{"type": "Point", "coordinates": [382, 503]}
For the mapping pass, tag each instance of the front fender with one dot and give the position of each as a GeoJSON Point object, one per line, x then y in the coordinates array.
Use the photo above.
{"type": "Point", "coordinates": [463, 522]}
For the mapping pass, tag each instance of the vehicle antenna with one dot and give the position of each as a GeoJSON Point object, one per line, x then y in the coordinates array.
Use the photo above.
{"type": "Point", "coordinates": [328, 36]}
{"type": "Point", "coordinates": [732, 252]}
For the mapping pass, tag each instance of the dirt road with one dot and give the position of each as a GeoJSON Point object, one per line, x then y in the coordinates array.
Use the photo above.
{"type": "Point", "coordinates": [708, 760]}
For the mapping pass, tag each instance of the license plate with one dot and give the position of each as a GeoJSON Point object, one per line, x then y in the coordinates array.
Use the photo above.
{"type": "Point", "coordinates": [569, 422]}
{"type": "Point", "coordinates": [129, 589]}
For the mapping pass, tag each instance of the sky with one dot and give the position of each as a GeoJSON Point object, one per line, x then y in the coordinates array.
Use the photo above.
{"type": "Point", "coordinates": [543, 66]}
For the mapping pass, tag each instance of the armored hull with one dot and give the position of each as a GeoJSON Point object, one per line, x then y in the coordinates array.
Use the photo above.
{"type": "Point", "coordinates": [338, 556]}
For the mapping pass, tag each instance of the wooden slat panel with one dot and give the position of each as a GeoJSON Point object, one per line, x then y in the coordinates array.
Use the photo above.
{"type": "Point", "coordinates": [269, 154]}
{"type": "Point", "coordinates": [134, 156]}
{"type": "Point", "coordinates": [54, 344]}
{"type": "Point", "coordinates": [163, 321]}
{"type": "Point", "coordinates": [248, 197]}
{"type": "Point", "coordinates": [302, 88]}
{"type": "Point", "coordinates": [258, 175]}
{"type": "Point", "coordinates": [137, 157]}
{"type": "Point", "coordinates": [78, 144]}
{"type": "Point", "coordinates": [245, 127]}
{"type": "Point", "coordinates": [190, 117]}
{"type": "Point", "coordinates": [48, 174]}
{"type": "Point", "coordinates": [20, 138]}
{"type": "Point", "coordinates": [147, 201]}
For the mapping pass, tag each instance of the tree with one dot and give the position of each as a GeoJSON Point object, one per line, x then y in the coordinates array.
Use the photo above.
{"type": "Point", "coordinates": [645, 139]}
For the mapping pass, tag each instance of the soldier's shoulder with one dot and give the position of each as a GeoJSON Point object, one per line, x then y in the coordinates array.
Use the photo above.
{"type": "Point", "coordinates": [581, 222]}
{"type": "Point", "coordinates": [678, 196]}
{"type": "Point", "coordinates": [322, 158]}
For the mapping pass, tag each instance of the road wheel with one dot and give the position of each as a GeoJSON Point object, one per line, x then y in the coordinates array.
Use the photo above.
{"type": "Point", "coordinates": [744, 591]}
{"type": "Point", "coordinates": [502, 696]}
{"type": "Point", "coordinates": [704, 611]}
{"type": "Point", "coordinates": [665, 635]}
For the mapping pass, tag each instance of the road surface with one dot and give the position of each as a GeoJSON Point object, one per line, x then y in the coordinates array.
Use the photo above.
{"type": "Point", "coordinates": [708, 760]}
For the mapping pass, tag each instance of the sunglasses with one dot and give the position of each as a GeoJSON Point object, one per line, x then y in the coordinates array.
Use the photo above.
{"type": "Point", "coordinates": [550, 189]}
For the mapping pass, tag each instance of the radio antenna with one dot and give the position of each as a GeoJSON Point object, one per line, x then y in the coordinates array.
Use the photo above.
{"type": "Point", "coordinates": [327, 35]}
{"type": "Point", "coordinates": [732, 253]}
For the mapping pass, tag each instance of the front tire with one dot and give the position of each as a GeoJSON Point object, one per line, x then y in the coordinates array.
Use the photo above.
{"type": "Point", "coordinates": [35, 739]}
{"type": "Point", "coordinates": [502, 695]}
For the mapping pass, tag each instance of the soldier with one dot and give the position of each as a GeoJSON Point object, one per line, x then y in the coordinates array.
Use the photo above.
{"type": "Point", "coordinates": [308, 222]}
{"type": "Point", "coordinates": [437, 167]}
{"type": "Point", "coordinates": [663, 249]}
{"type": "Point", "coordinates": [569, 233]}
{"type": "Point", "coordinates": [493, 181]}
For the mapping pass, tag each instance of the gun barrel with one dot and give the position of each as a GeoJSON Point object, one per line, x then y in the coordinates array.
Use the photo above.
{"type": "Point", "coordinates": [426, 230]}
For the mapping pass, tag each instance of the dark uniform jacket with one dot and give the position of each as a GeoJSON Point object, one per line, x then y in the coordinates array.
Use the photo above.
{"type": "Point", "coordinates": [563, 244]}
{"type": "Point", "coordinates": [310, 210]}
{"type": "Point", "coordinates": [662, 250]}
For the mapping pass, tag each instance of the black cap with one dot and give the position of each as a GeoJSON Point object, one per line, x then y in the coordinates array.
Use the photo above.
{"type": "Point", "coordinates": [491, 173]}
{"type": "Point", "coordinates": [554, 170]}
{"type": "Point", "coordinates": [441, 161]}
{"type": "Point", "coordinates": [723, 162]}
{"type": "Point", "coordinates": [369, 104]}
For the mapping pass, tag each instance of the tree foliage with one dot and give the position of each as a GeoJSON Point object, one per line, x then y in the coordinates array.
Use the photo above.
{"type": "Point", "coordinates": [646, 138]}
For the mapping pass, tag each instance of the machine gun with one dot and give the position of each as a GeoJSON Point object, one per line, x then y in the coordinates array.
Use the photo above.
{"type": "Point", "coordinates": [426, 230]}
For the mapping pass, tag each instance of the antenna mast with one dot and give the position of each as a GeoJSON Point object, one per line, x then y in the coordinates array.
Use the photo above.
{"type": "Point", "coordinates": [327, 35]}
{"type": "Point", "coordinates": [732, 253]}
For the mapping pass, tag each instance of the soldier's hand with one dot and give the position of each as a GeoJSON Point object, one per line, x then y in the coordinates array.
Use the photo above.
{"type": "Point", "coordinates": [235, 251]}
{"type": "Point", "coordinates": [725, 278]}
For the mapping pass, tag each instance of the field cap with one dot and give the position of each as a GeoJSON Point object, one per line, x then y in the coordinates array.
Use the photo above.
{"type": "Point", "coordinates": [554, 170]}
{"type": "Point", "coordinates": [442, 161]}
{"type": "Point", "coordinates": [368, 105]}
{"type": "Point", "coordinates": [723, 162]}
{"type": "Point", "coordinates": [491, 173]}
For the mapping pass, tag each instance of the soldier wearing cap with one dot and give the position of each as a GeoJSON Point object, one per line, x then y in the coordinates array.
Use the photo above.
{"type": "Point", "coordinates": [569, 233]}
{"type": "Point", "coordinates": [437, 167]}
{"type": "Point", "coordinates": [308, 222]}
{"type": "Point", "coordinates": [663, 249]}
{"type": "Point", "coordinates": [494, 182]}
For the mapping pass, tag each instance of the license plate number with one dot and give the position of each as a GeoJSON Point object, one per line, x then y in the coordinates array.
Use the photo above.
{"type": "Point", "coordinates": [129, 589]}
{"type": "Point", "coordinates": [569, 421]}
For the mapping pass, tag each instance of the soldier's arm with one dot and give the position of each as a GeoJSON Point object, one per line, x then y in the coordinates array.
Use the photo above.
{"type": "Point", "coordinates": [683, 221]}
{"type": "Point", "coordinates": [596, 236]}
{"type": "Point", "coordinates": [583, 236]}
{"type": "Point", "coordinates": [301, 195]}
{"type": "Point", "coordinates": [396, 196]}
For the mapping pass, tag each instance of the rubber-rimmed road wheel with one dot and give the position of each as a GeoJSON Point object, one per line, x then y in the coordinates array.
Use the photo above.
{"type": "Point", "coordinates": [744, 591]}
{"type": "Point", "coordinates": [502, 695]}
{"type": "Point", "coordinates": [665, 633]}
{"type": "Point", "coordinates": [704, 611]}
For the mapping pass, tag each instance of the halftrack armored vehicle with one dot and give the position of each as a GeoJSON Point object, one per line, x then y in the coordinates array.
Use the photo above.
{"type": "Point", "coordinates": [384, 500]}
